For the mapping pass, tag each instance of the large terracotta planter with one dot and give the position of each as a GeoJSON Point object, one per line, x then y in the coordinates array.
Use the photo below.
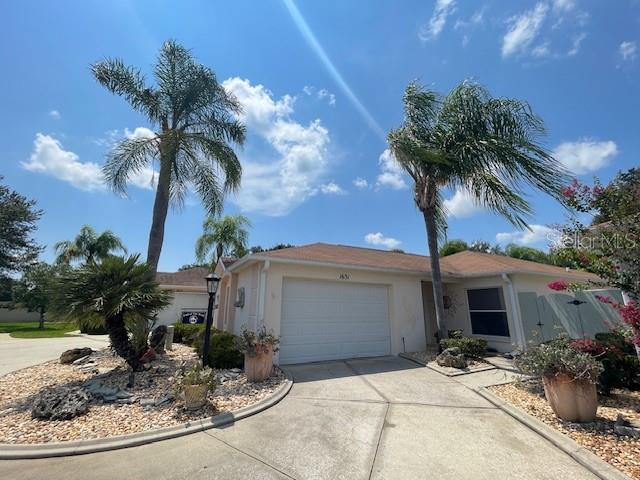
{"type": "Point", "coordinates": [195, 396]}
{"type": "Point", "coordinates": [258, 367]}
{"type": "Point", "coordinates": [571, 400]}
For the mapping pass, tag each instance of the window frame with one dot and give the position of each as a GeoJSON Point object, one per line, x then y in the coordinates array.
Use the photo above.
{"type": "Point", "coordinates": [500, 338]}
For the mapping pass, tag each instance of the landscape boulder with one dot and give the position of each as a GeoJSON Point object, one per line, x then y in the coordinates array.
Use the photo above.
{"type": "Point", "coordinates": [60, 403]}
{"type": "Point", "coordinates": [451, 357]}
{"type": "Point", "coordinates": [70, 356]}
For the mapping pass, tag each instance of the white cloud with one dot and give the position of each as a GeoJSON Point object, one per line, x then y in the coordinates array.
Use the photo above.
{"type": "Point", "coordinates": [331, 98]}
{"type": "Point", "coordinates": [380, 240]}
{"type": "Point", "coordinates": [575, 46]}
{"type": "Point", "coordinates": [320, 94]}
{"type": "Point", "coordinates": [332, 188]}
{"type": "Point", "coordinates": [628, 51]}
{"type": "Point", "coordinates": [523, 30]}
{"type": "Point", "coordinates": [461, 205]}
{"type": "Point", "coordinates": [360, 183]}
{"type": "Point", "coordinates": [50, 158]}
{"type": "Point", "coordinates": [139, 132]}
{"type": "Point", "coordinates": [391, 174]}
{"type": "Point", "coordinates": [541, 50]}
{"type": "Point", "coordinates": [441, 11]}
{"type": "Point", "coordinates": [563, 5]}
{"type": "Point", "coordinates": [55, 114]}
{"type": "Point", "coordinates": [476, 19]}
{"type": "Point", "coordinates": [540, 235]}
{"type": "Point", "coordinates": [278, 186]}
{"type": "Point", "coordinates": [585, 155]}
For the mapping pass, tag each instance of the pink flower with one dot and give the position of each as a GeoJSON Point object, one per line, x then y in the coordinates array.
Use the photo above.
{"type": "Point", "coordinates": [558, 285]}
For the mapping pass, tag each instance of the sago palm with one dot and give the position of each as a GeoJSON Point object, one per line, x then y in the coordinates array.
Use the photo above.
{"type": "Point", "coordinates": [117, 293]}
{"type": "Point", "coordinates": [88, 246]}
{"type": "Point", "coordinates": [489, 147]}
{"type": "Point", "coordinates": [195, 125]}
{"type": "Point", "coordinates": [223, 236]}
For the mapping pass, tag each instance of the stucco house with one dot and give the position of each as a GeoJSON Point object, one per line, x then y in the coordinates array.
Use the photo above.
{"type": "Point", "coordinates": [335, 301]}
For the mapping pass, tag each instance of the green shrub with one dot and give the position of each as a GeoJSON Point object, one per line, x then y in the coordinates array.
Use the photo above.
{"type": "Point", "coordinates": [618, 357]}
{"type": "Point", "coordinates": [223, 352]}
{"type": "Point", "coordinates": [470, 347]}
{"type": "Point", "coordinates": [187, 333]}
{"type": "Point", "coordinates": [559, 357]}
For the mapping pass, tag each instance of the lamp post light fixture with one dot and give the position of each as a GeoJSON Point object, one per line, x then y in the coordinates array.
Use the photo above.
{"type": "Point", "coordinates": [212, 288]}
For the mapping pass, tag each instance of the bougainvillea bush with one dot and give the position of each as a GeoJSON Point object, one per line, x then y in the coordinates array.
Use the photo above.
{"type": "Point", "coordinates": [620, 363]}
{"type": "Point", "coordinates": [608, 245]}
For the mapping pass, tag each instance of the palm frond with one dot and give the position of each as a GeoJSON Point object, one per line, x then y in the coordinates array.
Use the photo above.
{"type": "Point", "coordinates": [129, 83]}
{"type": "Point", "coordinates": [126, 158]}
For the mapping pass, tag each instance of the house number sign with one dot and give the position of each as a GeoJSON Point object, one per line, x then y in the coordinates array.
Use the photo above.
{"type": "Point", "coordinates": [345, 276]}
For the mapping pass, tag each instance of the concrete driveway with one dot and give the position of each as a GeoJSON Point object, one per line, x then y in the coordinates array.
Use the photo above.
{"type": "Point", "coordinates": [17, 353]}
{"type": "Point", "coordinates": [382, 418]}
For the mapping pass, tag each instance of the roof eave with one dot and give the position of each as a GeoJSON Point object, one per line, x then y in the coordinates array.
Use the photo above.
{"type": "Point", "coordinates": [312, 263]}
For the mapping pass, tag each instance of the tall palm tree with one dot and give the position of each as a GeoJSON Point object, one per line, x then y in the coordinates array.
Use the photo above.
{"type": "Point", "coordinates": [88, 246]}
{"type": "Point", "coordinates": [489, 147]}
{"type": "Point", "coordinates": [224, 236]}
{"type": "Point", "coordinates": [195, 122]}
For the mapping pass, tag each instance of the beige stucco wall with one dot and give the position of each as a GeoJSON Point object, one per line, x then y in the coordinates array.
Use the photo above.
{"type": "Point", "coordinates": [182, 300]}
{"type": "Point", "coordinates": [248, 279]}
{"type": "Point", "coordinates": [457, 317]}
{"type": "Point", "coordinates": [405, 299]}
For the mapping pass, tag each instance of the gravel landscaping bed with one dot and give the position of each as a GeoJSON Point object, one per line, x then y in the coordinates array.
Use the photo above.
{"type": "Point", "coordinates": [148, 405]}
{"type": "Point", "coordinates": [599, 437]}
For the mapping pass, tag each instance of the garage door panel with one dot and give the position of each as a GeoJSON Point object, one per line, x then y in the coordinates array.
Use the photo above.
{"type": "Point", "coordinates": [332, 320]}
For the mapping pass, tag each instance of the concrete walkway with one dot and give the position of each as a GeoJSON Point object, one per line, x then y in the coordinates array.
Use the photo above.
{"type": "Point", "coordinates": [17, 353]}
{"type": "Point", "coordinates": [382, 418]}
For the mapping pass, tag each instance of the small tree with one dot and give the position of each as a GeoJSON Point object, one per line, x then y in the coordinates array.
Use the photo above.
{"type": "Point", "coordinates": [453, 246]}
{"type": "Point", "coordinates": [18, 217]}
{"type": "Point", "coordinates": [89, 246]}
{"type": "Point", "coordinates": [610, 244]}
{"type": "Point", "coordinates": [526, 253]}
{"type": "Point", "coordinates": [119, 293]}
{"type": "Point", "coordinates": [33, 290]}
{"type": "Point", "coordinates": [223, 236]}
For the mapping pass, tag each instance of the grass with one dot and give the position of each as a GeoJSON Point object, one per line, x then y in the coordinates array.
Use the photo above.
{"type": "Point", "coordinates": [31, 330]}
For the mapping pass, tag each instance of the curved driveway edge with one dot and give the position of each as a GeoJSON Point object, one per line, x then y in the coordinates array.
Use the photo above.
{"type": "Point", "coordinates": [81, 447]}
{"type": "Point", "coordinates": [584, 457]}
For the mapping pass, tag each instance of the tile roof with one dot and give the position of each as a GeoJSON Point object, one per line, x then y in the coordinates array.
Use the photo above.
{"type": "Point", "coordinates": [192, 277]}
{"type": "Point", "coordinates": [462, 264]}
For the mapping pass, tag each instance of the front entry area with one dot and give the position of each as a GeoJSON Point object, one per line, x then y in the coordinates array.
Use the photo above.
{"type": "Point", "coordinates": [324, 320]}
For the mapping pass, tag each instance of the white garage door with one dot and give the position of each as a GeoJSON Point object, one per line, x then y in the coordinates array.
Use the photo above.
{"type": "Point", "coordinates": [332, 320]}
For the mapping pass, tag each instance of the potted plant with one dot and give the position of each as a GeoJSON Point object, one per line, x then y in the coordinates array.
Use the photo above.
{"type": "Point", "coordinates": [569, 377]}
{"type": "Point", "coordinates": [258, 348]}
{"type": "Point", "coordinates": [195, 383]}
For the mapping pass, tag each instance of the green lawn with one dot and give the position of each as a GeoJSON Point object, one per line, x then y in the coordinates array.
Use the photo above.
{"type": "Point", "coordinates": [31, 330]}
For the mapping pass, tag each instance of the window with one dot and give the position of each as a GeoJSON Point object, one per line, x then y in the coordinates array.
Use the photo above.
{"type": "Point", "coordinates": [488, 312]}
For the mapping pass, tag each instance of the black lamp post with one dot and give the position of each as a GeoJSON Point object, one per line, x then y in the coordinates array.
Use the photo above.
{"type": "Point", "coordinates": [212, 288]}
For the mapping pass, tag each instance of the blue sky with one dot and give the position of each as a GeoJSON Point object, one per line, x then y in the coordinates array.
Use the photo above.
{"type": "Point", "coordinates": [321, 83]}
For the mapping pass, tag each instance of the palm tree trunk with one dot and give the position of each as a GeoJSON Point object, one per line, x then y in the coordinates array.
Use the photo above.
{"type": "Point", "coordinates": [436, 276]}
{"type": "Point", "coordinates": [119, 338]}
{"type": "Point", "coordinates": [160, 209]}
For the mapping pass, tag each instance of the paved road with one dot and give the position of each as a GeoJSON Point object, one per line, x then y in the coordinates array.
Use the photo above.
{"type": "Point", "coordinates": [17, 353]}
{"type": "Point", "coordinates": [380, 418]}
